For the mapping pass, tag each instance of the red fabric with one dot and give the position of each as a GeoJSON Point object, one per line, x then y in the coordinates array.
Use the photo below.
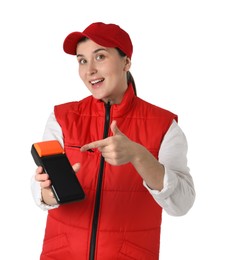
{"type": "Point", "coordinates": [129, 219]}
{"type": "Point", "coordinates": [108, 35]}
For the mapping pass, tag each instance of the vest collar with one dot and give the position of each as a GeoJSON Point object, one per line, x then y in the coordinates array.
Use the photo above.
{"type": "Point", "coordinates": [118, 109]}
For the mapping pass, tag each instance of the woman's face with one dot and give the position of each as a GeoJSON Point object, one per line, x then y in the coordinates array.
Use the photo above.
{"type": "Point", "coordinates": [103, 71]}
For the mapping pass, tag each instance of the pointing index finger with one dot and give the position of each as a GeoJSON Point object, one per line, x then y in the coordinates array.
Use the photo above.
{"type": "Point", "coordinates": [92, 145]}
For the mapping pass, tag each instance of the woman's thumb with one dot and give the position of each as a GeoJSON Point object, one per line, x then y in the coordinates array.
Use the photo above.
{"type": "Point", "coordinates": [114, 128]}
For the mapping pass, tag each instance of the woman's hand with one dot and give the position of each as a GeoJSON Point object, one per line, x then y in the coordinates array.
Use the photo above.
{"type": "Point", "coordinates": [45, 184]}
{"type": "Point", "coordinates": [119, 149]}
{"type": "Point", "coordinates": [116, 150]}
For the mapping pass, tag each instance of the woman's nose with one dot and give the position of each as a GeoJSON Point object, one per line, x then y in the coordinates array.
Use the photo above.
{"type": "Point", "coordinates": [91, 68]}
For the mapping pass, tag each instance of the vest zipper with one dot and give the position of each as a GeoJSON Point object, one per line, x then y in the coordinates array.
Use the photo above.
{"type": "Point", "coordinates": [99, 187]}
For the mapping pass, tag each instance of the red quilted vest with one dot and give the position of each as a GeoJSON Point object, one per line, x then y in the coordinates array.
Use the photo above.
{"type": "Point", "coordinates": [118, 219]}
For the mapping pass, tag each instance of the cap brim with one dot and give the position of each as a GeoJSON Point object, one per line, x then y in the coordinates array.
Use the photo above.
{"type": "Point", "coordinates": [70, 42]}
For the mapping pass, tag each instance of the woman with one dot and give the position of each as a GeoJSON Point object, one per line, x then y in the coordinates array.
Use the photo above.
{"type": "Point", "coordinates": [129, 155]}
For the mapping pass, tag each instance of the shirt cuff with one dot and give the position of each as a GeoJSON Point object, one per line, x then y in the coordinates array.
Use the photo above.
{"type": "Point", "coordinates": [169, 184]}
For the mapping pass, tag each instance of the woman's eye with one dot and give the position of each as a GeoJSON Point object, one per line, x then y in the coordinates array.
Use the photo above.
{"type": "Point", "coordinates": [100, 57]}
{"type": "Point", "coordinates": [82, 61]}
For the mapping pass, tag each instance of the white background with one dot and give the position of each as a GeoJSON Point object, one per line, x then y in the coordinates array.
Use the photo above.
{"type": "Point", "coordinates": [179, 63]}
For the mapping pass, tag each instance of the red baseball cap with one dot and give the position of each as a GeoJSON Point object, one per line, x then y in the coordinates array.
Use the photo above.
{"type": "Point", "coordinates": [107, 35]}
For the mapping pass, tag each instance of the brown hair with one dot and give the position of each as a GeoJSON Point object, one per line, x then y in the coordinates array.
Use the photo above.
{"type": "Point", "coordinates": [130, 78]}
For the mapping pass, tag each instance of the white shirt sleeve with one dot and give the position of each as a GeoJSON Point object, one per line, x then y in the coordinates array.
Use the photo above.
{"type": "Point", "coordinates": [178, 193]}
{"type": "Point", "coordinates": [53, 130]}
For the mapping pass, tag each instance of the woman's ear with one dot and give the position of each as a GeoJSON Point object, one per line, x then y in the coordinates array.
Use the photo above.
{"type": "Point", "coordinates": [127, 64]}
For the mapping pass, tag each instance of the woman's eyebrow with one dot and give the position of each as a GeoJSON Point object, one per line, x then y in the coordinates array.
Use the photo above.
{"type": "Point", "coordinates": [80, 55]}
{"type": "Point", "coordinates": [100, 49]}
{"type": "Point", "coordinates": [97, 50]}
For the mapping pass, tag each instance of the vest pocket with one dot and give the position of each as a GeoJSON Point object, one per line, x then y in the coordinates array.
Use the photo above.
{"type": "Point", "coordinates": [131, 251]}
{"type": "Point", "coordinates": [56, 248]}
{"type": "Point", "coordinates": [74, 155]}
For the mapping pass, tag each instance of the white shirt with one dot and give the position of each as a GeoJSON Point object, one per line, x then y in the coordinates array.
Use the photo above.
{"type": "Point", "coordinates": [178, 193]}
